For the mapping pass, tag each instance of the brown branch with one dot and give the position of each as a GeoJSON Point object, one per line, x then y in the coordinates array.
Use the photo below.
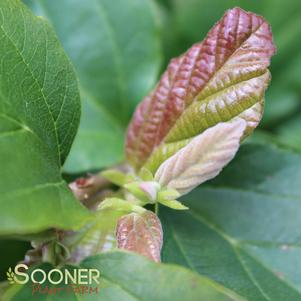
{"type": "Point", "coordinates": [91, 190]}
{"type": "Point", "coordinates": [85, 188]}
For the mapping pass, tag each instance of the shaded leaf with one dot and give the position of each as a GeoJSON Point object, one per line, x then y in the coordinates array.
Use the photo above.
{"type": "Point", "coordinates": [141, 233]}
{"type": "Point", "coordinates": [242, 229]}
{"type": "Point", "coordinates": [289, 132]}
{"type": "Point", "coordinates": [203, 158]}
{"type": "Point", "coordinates": [12, 251]}
{"type": "Point", "coordinates": [39, 116]}
{"type": "Point", "coordinates": [115, 48]}
{"type": "Point", "coordinates": [216, 80]}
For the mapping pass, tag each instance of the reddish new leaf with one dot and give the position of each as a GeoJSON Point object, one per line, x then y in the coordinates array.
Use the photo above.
{"type": "Point", "coordinates": [214, 81]}
{"type": "Point", "coordinates": [141, 233]}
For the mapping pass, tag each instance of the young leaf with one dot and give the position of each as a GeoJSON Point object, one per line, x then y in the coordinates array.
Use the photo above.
{"type": "Point", "coordinates": [144, 191]}
{"type": "Point", "coordinates": [203, 158]}
{"type": "Point", "coordinates": [115, 176]}
{"type": "Point", "coordinates": [39, 116]}
{"type": "Point", "coordinates": [192, 19]}
{"type": "Point", "coordinates": [214, 81]}
{"type": "Point", "coordinates": [173, 204]}
{"type": "Point", "coordinates": [146, 175]}
{"type": "Point", "coordinates": [120, 205]}
{"type": "Point", "coordinates": [95, 237]}
{"type": "Point", "coordinates": [167, 197]}
{"type": "Point", "coordinates": [141, 233]}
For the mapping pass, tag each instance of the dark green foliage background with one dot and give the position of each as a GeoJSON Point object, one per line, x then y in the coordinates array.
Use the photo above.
{"type": "Point", "coordinates": [243, 228]}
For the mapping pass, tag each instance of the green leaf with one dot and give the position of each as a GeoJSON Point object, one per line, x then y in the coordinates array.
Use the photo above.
{"type": "Point", "coordinates": [95, 237]}
{"type": "Point", "coordinates": [214, 81]}
{"type": "Point", "coordinates": [146, 175]}
{"type": "Point", "coordinates": [173, 204]}
{"type": "Point", "coordinates": [121, 205]}
{"type": "Point", "coordinates": [146, 192]}
{"type": "Point", "coordinates": [264, 137]}
{"type": "Point", "coordinates": [129, 277]}
{"type": "Point", "coordinates": [39, 116]}
{"type": "Point", "coordinates": [115, 47]}
{"type": "Point", "coordinates": [289, 132]}
{"type": "Point", "coordinates": [243, 229]}
{"type": "Point", "coordinates": [115, 176]}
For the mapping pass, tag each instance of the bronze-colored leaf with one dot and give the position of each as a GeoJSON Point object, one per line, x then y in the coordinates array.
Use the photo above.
{"type": "Point", "coordinates": [223, 77]}
{"type": "Point", "coordinates": [141, 233]}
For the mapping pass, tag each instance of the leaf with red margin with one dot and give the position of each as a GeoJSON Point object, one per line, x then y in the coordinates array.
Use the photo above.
{"type": "Point", "coordinates": [223, 77]}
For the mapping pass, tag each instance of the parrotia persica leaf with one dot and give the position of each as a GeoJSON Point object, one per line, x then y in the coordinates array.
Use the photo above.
{"type": "Point", "coordinates": [223, 77]}
{"type": "Point", "coordinates": [203, 158]}
{"type": "Point", "coordinates": [115, 46]}
{"type": "Point", "coordinates": [39, 116]}
{"type": "Point", "coordinates": [141, 233]}
{"type": "Point", "coordinates": [243, 228]}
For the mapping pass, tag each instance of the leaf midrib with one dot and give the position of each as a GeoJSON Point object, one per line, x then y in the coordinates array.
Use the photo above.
{"type": "Point", "coordinates": [189, 264]}
{"type": "Point", "coordinates": [236, 245]}
{"type": "Point", "coordinates": [23, 126]}
{"type": "Point", "coordinates": [12, 132]}
{"type": "Point", "coordinates": [24, 191]}
{"type": "Point", "coordinates": [27, 66]}
{"type": "Point", "coordinates": [195, 98]}
{"type": "Point", "coordinates": [208, 98]}
{"type": "Point", "coordinates": [122, 287]}
{"type": "Point", "coordinates": [249, 274]}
